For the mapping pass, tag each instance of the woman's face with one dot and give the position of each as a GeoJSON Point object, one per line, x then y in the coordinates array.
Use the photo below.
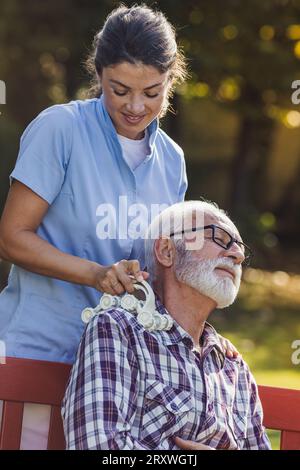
{"type": "Point", "coordinates": [134, 96]}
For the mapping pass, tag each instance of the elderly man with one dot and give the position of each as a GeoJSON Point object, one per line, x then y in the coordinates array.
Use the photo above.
{"type": "Point", "coordinates": [133, 387]}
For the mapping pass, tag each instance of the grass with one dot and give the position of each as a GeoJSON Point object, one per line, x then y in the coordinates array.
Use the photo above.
{"type": "Point", "coordinates": [274, 437]}
{"type": "Point", "coordinates": [278, 378]}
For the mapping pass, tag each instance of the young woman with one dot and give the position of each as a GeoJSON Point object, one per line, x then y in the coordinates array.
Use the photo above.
{"type": "Point", "coordinates": [87, 175]}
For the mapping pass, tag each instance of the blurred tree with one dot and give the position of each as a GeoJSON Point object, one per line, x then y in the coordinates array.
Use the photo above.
{"type": "Point", "coordinates": [244, 56]}
{"type": "Point", "coordinates": [244, 52]}
{"type": "Point", "coordinates": [42, 46]}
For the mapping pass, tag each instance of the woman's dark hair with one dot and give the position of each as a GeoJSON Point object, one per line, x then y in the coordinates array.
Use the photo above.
{"type": "Point", "coordinates": [136, 34]}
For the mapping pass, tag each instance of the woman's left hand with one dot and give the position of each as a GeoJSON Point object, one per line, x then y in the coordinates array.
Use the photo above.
{"type": "Point", "coordinates": [228, 348]}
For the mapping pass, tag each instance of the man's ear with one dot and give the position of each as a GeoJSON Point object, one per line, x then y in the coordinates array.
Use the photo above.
{"type": "Point", "coordinates": [164, 251]}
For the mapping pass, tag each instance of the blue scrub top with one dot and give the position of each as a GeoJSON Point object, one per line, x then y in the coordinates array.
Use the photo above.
{"type": "Point", "coordinates": [71, 157]}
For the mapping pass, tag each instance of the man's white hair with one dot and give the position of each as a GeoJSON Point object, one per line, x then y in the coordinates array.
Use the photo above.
{"type": "Point", "coordinates": [173, 220]}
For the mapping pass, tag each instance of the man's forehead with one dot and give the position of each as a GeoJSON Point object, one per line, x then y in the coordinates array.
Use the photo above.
{"type": "Point", "coordinates": [222, 221]}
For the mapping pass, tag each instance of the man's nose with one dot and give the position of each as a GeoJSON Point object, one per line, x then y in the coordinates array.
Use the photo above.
{"type": "Point", "coordinates": [235, 252]}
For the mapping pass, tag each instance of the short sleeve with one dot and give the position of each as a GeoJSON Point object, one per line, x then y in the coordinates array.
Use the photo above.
{"type": "Point", "coordinates": [44, 153]}
{"type": "Point", "coordinates": [183, 181]}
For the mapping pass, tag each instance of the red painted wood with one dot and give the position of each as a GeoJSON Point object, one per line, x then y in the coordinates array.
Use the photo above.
{"type": "Point", "coordinates": [29, 381]}
{"type": "Point", "coordinates": [290, 440]}
{"type": "Point", "coordinates": [11, 425]}
{"type": "Point", "coordinates": [282, 412]}
{"type": "Point", "coordinates": [33, 381]}
{"type": "Point", "coordinates": [56, 439]}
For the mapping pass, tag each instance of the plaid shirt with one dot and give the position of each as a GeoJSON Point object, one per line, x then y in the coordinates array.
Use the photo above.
{"type": "Point", "coordinates": [132, 389]}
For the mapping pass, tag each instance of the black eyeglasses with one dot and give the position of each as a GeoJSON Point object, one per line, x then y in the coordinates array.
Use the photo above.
{"type": "Point", "coordinates": [222, 238]}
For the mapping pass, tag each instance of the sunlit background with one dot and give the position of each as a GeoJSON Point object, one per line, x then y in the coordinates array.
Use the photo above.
{"type": "Point", "coordinates": [234, 118]}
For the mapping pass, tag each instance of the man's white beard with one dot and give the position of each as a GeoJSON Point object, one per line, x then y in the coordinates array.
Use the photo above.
{"type": "Point", "coordinates": [200, 274]}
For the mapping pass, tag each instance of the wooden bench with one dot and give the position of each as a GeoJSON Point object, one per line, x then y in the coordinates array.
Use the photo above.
{"type": "Point", "coordinates": [282, 412]}
{"type": "Point", "coordinates": [27, 381]}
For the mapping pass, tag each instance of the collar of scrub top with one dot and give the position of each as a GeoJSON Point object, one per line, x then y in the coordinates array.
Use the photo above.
{"type": "Point", "coordinates": [107, 121]}
{"type": "Point", "coordinates": [145, 310]}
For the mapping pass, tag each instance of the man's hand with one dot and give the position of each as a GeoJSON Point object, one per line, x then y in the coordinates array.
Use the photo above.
{"type": "Point", "coordinates": [191, 445]}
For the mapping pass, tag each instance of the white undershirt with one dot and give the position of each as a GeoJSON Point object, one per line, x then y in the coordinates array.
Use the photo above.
{"type": "Point", "coordinates": [134, 151]}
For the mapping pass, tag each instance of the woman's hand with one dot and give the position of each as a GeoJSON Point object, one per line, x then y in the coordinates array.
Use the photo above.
{"type": "Point", "coordinates": [229, 349]}
{"type": "Point", "coordinates": [119, 277]}
{"type": "Point", "coordinates": [190, 445]}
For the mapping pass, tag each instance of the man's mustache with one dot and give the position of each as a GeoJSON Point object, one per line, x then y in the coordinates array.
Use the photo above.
{"type": "Point", "coordinates": [226, 263]}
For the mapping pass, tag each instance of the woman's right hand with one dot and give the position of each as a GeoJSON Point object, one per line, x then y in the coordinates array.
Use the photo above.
{"type": "Point", "coordinates": [119, 277]}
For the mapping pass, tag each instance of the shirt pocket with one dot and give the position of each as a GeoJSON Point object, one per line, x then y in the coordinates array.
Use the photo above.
{"type": "Point", "coordinates": [167, 411]}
